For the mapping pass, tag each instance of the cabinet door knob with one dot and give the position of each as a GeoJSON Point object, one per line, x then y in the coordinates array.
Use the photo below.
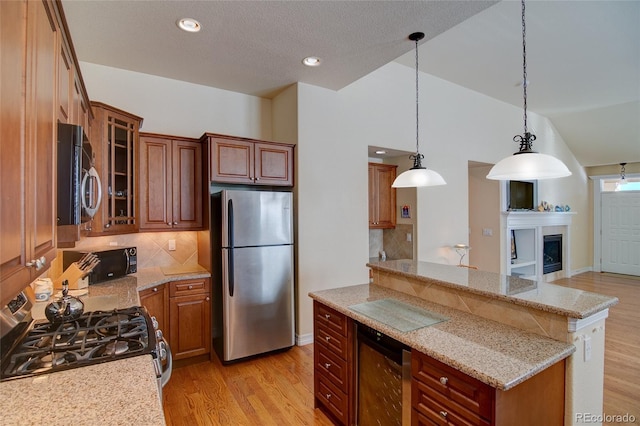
{"type": "Point", "coordinates": [155, 289]}
{"type": "Point", "coordinates": [190, 287]}
{"type": "Point", "coordinates": [328, 338]}
{"type": "Point", "coordinates": [175, 223]}
{"type": "Point", "coordinates": [168, 223]}
{"type": "Point", "coordinates": [444, 380]}
{"type": "Point", "coordinates": [443, 414]}
{"type": "Point", "coordinates": [207, 299]}
{"type": "Point", "coordinates": [327, 316]}
{"type": "Point", "coordinates": [327, 365]}
{"type": "Point", "coordinates": [328, 396]}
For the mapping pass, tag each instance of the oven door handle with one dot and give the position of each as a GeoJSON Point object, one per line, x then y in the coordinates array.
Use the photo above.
{"type": "Point", "coordinates": [166, 372]}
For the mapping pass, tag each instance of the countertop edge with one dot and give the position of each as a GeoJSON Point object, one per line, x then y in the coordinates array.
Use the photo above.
{"type": "Point", "coordinates": [405, 338]}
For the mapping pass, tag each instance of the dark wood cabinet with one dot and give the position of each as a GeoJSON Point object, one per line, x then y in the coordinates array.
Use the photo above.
{"type": "Point", "coordinates": [28, 131]}
{"type": "Point", "coordinates": [334, 373]}
{"type": "Point", "coordinates": [249, 161]}
{"type": "Point", "coordinates": [114, 137]}
{"type": "Point", "coordinates": [170, 183]}
{"type": "Point", "coordinates": [190, 318]}
{"type": "Point", "coordinates": [382, 197]}
{"type": "Point", "coordinates": [156, 300]}
{"type": "Point", "coordinates": [442, 395]}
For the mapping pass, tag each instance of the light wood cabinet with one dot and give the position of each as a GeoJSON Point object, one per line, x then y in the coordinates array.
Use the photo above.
{"type": "Point", "coordinates": [190, 318]}
{"type": "Point", "coordinates": [249, 161]}
{"type": "Point", "coordinates": [441, 395]}
{"type": "Point", "coordinates": [170, 183]}
{"type": "Point", "coordinates": [333, 364]}
{"type": "Point", "coordinates": [114, 138]}
{"type": "Point", "coordinates": [28, 131]}
{"type": "Point", "coordinates": [382, 197]}
{"type": "Point", "coordinates": [156, 300]}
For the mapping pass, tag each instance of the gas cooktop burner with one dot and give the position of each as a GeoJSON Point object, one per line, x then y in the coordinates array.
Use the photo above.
{"type": "Point", "coordinates": [94, 337]}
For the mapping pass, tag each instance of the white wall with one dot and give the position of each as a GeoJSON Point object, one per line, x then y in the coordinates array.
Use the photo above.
{"type": "Point", "coordinates": [333, 130]}
{"type": "Point", "coordinates": [178, 108]}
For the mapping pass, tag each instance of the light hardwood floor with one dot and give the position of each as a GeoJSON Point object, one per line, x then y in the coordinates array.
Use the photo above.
{"type": "Point", "coordinates": [278, 389]}
{"type": "Point", "coordinates": [622, 341]}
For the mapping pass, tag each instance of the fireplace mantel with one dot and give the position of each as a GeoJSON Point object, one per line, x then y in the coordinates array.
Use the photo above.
{"type": "Point", "coordinates": [528, 229]}
{"type": "Point", "coordinates": [520, 218]}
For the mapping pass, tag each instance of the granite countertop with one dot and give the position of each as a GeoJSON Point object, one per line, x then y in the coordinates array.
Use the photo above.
{"type": "Point", "coordinates": [121, 392]}
{"type": "Point", "coordinates": [496, 354]}
{"type": "Point", "coordinates": [149, 277]}
{"type": "Point", "coordinates": [540, 295]}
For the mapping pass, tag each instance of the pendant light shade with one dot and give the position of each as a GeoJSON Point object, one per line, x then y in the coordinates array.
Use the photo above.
{"type": "Point", "coordinates": [527, 164]}
{"type": "Point", "coordinates": [417, 176]}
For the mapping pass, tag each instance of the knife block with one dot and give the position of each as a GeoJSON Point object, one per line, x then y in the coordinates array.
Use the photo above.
{"type": "Point", "coordinates": [74, 275]}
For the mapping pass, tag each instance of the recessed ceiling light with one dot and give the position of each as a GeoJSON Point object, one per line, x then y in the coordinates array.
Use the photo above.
{"type": "Point", "coordinates": [381, 152]}
{"type": "Point", "coordinates": [189, 25]}
{"type": "Point", "coordinates": [311, 61]}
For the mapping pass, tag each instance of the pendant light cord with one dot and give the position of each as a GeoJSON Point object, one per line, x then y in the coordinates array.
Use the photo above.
{"type": "Point", "coordinates": [417, 157]}
{"type": "Point", "coordinates": [526, 139]}
{"type": "Point", "coordinates": [524, 67]}
{"type": "Point", "coordinates": [417, 102]}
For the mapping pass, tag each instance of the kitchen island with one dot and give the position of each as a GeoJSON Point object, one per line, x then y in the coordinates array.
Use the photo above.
{"type": "Point", "coordinates": [122, 392]}
{"type": "Point", "coordinates": [567, 320]}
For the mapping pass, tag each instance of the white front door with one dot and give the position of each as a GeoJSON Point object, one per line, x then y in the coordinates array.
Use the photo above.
{"type": "Point", "coordinates": [621, 232]}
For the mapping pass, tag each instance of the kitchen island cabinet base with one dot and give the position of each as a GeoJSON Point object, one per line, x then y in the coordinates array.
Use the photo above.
{"type": "Point", "coordinates": [443, 395]}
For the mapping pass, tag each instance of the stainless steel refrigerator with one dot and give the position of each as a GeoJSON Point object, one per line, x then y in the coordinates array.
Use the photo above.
{"type": "Point", "coordinates": [252, 271]}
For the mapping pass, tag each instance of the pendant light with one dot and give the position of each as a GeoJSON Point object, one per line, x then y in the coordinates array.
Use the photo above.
{"type": "Point", "coordinates": [527, 164]}
{"type": "Point", "coordinates": [417, 175]}
{"type": "Point", "coordinates": [623, 179]}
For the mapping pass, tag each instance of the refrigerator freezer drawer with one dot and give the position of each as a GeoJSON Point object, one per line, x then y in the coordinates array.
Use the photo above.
{"type": "Point", "coordinates": [258, 300]}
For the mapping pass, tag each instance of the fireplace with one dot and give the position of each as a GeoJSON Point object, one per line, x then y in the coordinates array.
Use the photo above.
{"type": "Point", "coordinates": [552, 253]}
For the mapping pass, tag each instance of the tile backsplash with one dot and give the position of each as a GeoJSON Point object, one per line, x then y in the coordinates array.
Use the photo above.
{"type": "Point", "coordinates": [153, 248]}
{"type": "Point", "coordinates": [392, 241]}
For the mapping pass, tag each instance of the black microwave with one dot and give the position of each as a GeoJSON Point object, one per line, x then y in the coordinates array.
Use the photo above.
{"type": "Point", "coordinates": [113, 264]}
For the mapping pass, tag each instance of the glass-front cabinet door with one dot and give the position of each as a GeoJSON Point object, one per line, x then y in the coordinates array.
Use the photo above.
{"type": "Point", "coordinates": [116, 132]}
{"type": "Point", "coordinates": [121, 169]}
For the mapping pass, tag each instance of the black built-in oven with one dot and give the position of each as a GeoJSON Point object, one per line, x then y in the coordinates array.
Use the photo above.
{"type": "Point", "coordinates": [384, 379]}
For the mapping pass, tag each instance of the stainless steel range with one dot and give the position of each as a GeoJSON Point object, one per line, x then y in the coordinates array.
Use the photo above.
{"type": "Point", "coordinates": [37, 347]}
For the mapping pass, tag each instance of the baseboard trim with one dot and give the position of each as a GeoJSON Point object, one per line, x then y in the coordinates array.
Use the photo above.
{"type": "Point", "coordinates": [304, 339]}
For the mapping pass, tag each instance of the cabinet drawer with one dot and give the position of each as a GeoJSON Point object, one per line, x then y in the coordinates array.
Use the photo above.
{"type": "Point", "coordinates": [441, 410]}
{"type": "Point", "coordinates": [330, 397]}
{"type": "Point", "coordinates": [332, 319]}
{"type": "Point", "coordinates": [329, 338]}
{"type": "Point", "coordinates": [188, 287]}
{"type": "Point", "coordinates": [453, 385]}
{"type": "Point", "coordinates": [332, 367]}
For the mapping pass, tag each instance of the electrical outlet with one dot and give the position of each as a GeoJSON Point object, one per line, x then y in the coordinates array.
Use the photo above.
{"type": "Point", "coordinates": [172, 245]}
{"type": "Point", "coordinates": [487, 232]}
{"type": "Point", "coordinates": [409, 236]}
{"type": "Point", "coordinates": [113, 243]}
{"type": "Point", "coordinates": [587, 348]}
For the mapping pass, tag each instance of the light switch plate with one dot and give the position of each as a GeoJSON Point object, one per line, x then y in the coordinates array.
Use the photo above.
{"type": "Point", "coordinates": [172, 245]}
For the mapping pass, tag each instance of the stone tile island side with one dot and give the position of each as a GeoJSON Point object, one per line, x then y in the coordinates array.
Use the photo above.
{"type": "Point", "coordinates": [559, 313]}
{"type": "Point", "coordinates": [501, 330]}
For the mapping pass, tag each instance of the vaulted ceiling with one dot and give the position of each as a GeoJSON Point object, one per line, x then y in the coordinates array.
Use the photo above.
{"type": "Point", "coordinates": [583, 56]}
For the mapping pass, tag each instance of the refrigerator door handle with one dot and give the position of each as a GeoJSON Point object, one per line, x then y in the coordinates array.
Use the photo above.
{"type": "Point", "coordinates": [230, 257]}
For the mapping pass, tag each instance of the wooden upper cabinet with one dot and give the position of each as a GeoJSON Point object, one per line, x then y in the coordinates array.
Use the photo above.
{"type": "Point", "coordinates": [114, 139]}
{"type": "Point", "coordinates": [65, 82]}
{"type": "Point", "coordinates": [249, 161]}
{"type": "Point", "coordinates": [382, 197]}
{"type": "Point", "coordinates": [28, 134]}
{"type": "Point", "coordinates": [170, 182]}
